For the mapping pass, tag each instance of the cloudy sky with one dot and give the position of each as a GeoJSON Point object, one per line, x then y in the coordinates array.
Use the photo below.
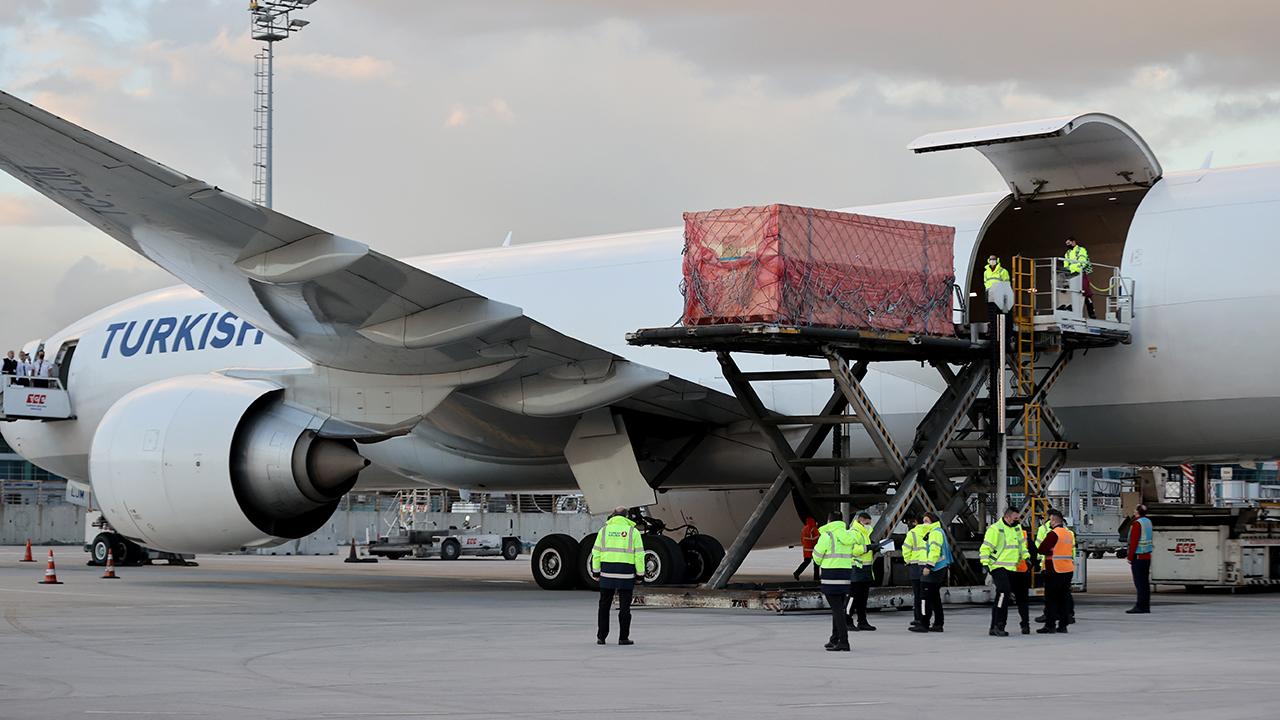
{"type": "Point", "coordinates": [425, 127]}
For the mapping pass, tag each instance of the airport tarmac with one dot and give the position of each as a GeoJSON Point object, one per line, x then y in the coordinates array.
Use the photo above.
{"type": "Point", "coordinates": [312, 637]}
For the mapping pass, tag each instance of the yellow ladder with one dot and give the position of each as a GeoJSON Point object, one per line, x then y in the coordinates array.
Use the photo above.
{"type": "Point", "coordinates": [1024, 321]}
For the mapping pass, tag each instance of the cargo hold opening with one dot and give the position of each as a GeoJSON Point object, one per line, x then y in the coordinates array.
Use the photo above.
{"type": "Point", "coordinates": [1039, 228]}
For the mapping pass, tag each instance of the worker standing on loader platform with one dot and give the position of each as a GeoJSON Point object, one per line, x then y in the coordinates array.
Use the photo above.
{"type": "Point", "coordinates": [864, 558]}
{"type": "Point", "coordinates": [834, 555]}
{"type": "Point", "coordinates": [912, 556]}
{"type": "Point", "coordinates": [933, 572]}
{"type": "Point", "coordinates": [617, 559]}
{"type": "Point", "coordinates": [1076, 261]}
{"type": "Point", "coordinates": [1059, 553]}
{"type": "Point", "coordinates": [995, 281]}
{"type": "Point", "coordinates": [1003, 551]}
{"type": "Point", "coordinates": [808, 538]}
{"type": "Point", "coordinates": [1141, 544]}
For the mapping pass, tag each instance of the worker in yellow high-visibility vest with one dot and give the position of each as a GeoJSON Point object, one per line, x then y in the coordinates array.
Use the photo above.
{"type": "Point", "coordinates": [864, 558]}
{"type": "Point", "coordinates": [1003, 551]}
{"type": "Point", "coordinates": [1076, 261]}
{"type": "Point", "coordinates": [1059, 552]}
{"type": "Point", "coordinates": [913, 552]}
{"type": "Point", "coordinates": [834, 557]}
{"type": "Point", "coordinates": [617, 559]}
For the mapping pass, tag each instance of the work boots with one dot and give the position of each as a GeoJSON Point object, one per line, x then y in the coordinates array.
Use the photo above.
{"type": "Point", "coordinates": [1026, 629]}
{"type": "Point", "coordinates": [997, 632]}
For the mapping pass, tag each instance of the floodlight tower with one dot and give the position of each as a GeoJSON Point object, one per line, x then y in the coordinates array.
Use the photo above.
{"type": "Point", "coordinates": [270, 23]}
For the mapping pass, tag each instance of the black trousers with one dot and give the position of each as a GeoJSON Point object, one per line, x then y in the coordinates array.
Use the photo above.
{"type": "Point", "coordinates": [858, 592]}
{"type": "Point", "coordinates": [917, 601]}
{"type": "Point", "coordinates": [1057, 596]}
{"type": "Point", "coordinates": [1142, 582]}
{"type": "Point", "coordinates": [1003, 581]}
{"type": "Point", "coordinates": [931, 603]}
{"type": "Point", "coordinates": [1021, 584]}
{"type": "Point", "coordinates": [804, 564]}
{"type": "Point", "coordinates": [839, 628]}
{"type": "Point", "coordinates": [624, 613]}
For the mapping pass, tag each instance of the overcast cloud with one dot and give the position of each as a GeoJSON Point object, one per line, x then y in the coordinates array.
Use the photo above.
{"type": "Point", "coordinates": [422, 127]}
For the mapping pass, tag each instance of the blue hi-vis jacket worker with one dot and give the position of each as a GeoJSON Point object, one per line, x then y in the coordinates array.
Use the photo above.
{"type": "Point", "coordinates": [618, 555]}
{"type": "Point", "coordinates": [834, 555]}
{"type": "Point", "coordinates": [937, 556]}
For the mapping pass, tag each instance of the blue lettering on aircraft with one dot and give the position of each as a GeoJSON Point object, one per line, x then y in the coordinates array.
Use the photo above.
{"type": "Point", "coordinates": [179, 334]}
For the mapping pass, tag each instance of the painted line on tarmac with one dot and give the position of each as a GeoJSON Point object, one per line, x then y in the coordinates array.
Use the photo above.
{"type": "Point", "coordinates": [835, 704]}
{"type": "Point", "coordinates": [137, 712]}
{"type": "Point", "coordinates": [505, 582]}
{"type": "Point", "coordinates": [1023, 697]}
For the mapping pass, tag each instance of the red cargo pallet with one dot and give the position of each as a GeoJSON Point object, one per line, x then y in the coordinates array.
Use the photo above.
{"type": "Point", "coordinates": [806, 267]}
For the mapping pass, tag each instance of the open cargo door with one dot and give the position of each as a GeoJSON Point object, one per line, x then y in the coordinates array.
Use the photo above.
{"type": "Point", "coordinates": [1069, 155]}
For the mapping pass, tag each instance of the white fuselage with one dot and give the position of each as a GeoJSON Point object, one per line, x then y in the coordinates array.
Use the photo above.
{"type": "Point", "coordinates": [1199, 381]}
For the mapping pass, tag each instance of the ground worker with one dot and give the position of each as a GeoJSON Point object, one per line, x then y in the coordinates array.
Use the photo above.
{"type": "Point", "coordinates": [1041, 532]}
{"type": "Point", "coordinates": [1058, 550]}
{"type": "Point", "coordinates": [933, 572]}
{"type": "Point", "coordinates": [864, 558]}
{"type": "Point", "coordinates": [1141, 543]}
{"type": "Point", "coordinates": [1020, 580]}
{"type": "Point", "coordinates": [1003, 551]}
{"type": "Point", "coordinates": [912, 556]}
{"type": "Point", "coordinates": [617, 559]}
{"type": "Point", "coordinates": [834, 555]}
{"type": "Point", "coordinates": [808, 538]}
{"type": "Point", "coordinates": [1076, 262]}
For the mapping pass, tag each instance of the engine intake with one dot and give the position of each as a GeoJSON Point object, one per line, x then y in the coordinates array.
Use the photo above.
{"type": "Point", "coordinates": [207, 463]}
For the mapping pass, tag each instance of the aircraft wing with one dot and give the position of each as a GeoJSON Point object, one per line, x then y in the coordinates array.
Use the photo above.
{"type": "Point", "coordinates": [333, 300]}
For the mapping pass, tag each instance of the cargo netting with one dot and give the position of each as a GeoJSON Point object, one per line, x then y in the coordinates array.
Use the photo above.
{"type": "Point", "coordinates": [806, 267]}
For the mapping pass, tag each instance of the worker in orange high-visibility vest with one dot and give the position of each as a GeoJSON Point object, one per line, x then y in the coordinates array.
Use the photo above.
{"type": "Point", "coordinates": [1059, 552]}
{"type": "Point", "coordinates": [808, 538]}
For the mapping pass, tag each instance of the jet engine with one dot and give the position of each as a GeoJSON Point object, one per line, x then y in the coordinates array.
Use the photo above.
{"type": "Point", "coordinates": [207, 463]}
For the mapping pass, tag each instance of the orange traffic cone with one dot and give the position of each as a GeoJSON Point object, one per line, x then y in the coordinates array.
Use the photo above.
{"type": "Point", "coordinates": [110, 572]}
{"type": "Point", "coordinates": [50, 573]}
{"type": "Point", "coordinates": [26, 557]}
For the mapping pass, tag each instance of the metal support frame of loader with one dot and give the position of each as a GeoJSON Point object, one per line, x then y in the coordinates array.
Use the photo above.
{"type": "Point", "coordinates": [913, 481]}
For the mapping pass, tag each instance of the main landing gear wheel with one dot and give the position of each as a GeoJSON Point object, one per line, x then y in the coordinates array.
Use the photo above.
{"type": "Point", "coordinates": [553, 562]}
{"type": "Point", "coordinates": [702, 555]}
{"type": "Point", "coordinates": [585, 581]}
{"type": "Point", "coordinates": [663, 561]}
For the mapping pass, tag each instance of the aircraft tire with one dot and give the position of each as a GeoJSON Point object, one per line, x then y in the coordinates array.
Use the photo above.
{"type": "Point", "coordinates": [702, 555]}
{"type": "Point", "coordinates": [554, 562]}
{"type": "Point", "coordinates": [585, 581]}
{"type": "Point", "coordinates": [664, 561]}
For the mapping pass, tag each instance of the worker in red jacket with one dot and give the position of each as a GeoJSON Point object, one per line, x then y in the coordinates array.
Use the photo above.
{"type": "Point", "coordinates": [1140, 546]}
{"type": "Point", "coordinates": [808, 538]}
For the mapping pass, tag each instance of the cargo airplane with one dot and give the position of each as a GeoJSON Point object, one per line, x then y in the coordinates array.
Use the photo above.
{"type": "Point", "coordinates": [294, 365]}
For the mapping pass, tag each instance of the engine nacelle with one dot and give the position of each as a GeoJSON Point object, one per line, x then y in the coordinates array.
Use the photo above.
{"type": "Point", "coordinates": [207, 463]}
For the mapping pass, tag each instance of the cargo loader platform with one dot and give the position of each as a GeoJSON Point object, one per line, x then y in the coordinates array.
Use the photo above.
{"type": "Point", "coordinates": [961, 425]}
